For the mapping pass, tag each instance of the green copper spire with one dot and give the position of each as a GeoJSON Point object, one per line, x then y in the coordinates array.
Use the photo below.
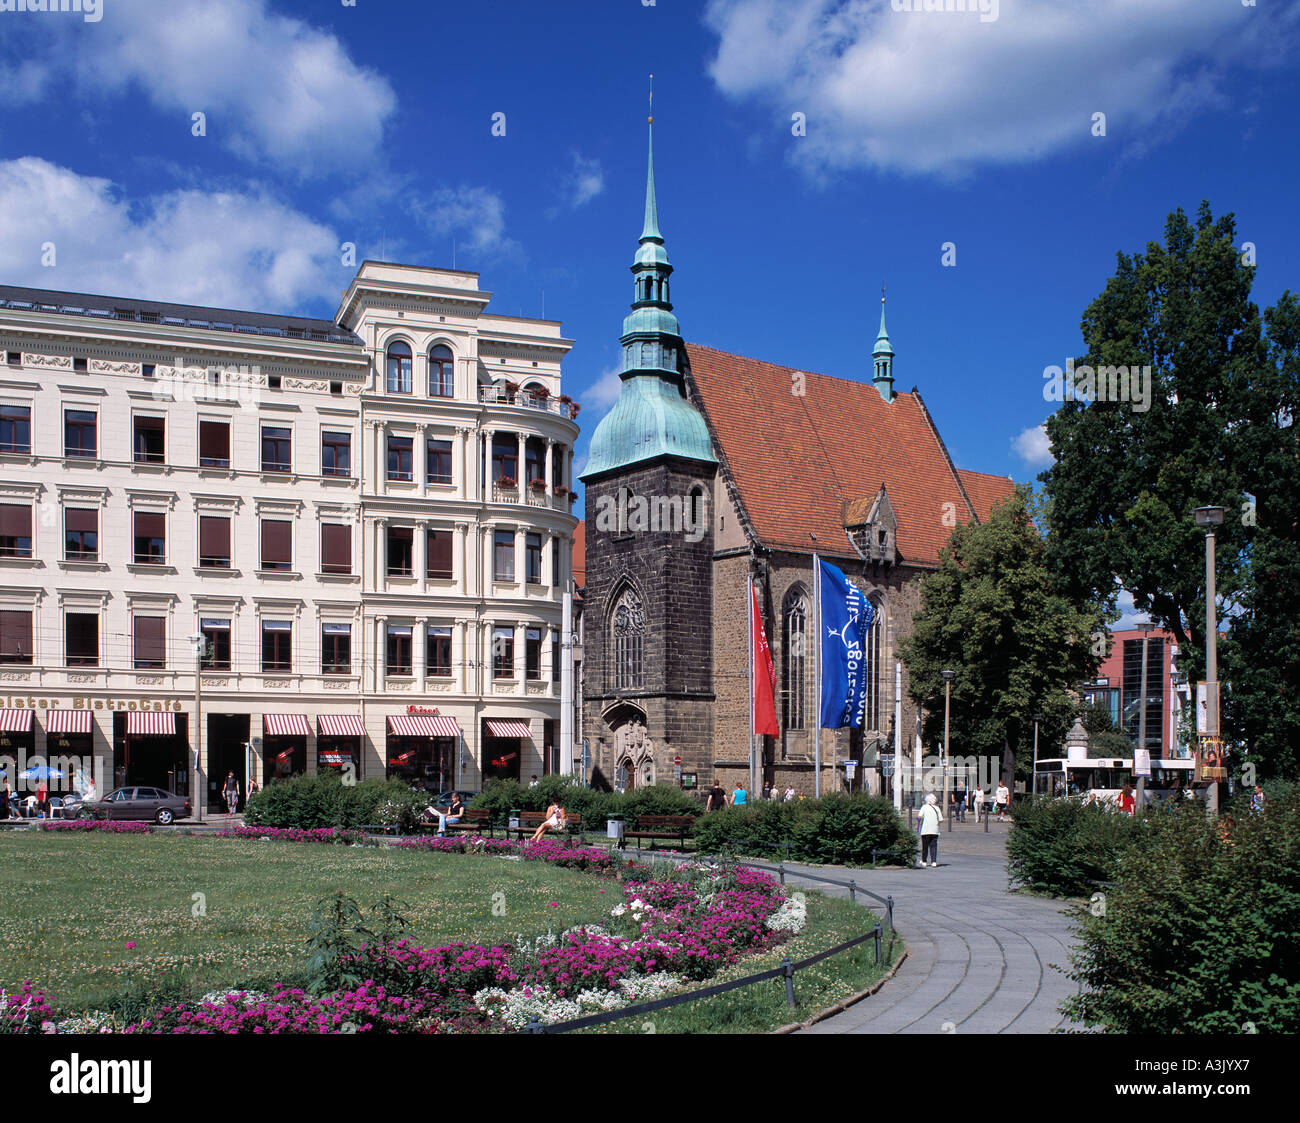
{"type": "Point", "coordinates": [652, 417]}
{"type": "Point", "coordinates": [883, 357]}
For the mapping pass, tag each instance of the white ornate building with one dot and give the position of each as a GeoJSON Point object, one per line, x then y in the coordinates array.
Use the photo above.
{"type": "Point", "coordinates": [322, 501]}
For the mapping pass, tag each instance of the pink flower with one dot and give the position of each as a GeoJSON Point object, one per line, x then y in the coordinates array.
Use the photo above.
{"type": "Point", "coordinates": [130, 944]}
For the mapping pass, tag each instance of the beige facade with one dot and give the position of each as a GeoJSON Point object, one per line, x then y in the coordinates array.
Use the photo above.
{"type": "Point", "coordinates": [333, 531]}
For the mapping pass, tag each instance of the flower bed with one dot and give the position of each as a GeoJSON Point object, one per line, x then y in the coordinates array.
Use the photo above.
{"type": "Point", "coordinates": [27, 1010]}
{"type": "Point", "coordinates": [103, 826]}
{"type": "Point", "coordinates": [336, 835]}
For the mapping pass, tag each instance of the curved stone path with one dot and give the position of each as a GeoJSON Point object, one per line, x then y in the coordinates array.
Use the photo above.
{"type": "Point", "coordinates": [981, 959]}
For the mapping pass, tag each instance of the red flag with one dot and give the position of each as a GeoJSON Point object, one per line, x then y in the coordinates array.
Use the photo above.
{"type": "Point", "coordinates": [764, 675]}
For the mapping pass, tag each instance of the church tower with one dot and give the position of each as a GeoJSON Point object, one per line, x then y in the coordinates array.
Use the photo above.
{"type": "Point", "coordinates": [882, 357]}
{"type": "Point", "coordinates": [648, 651]}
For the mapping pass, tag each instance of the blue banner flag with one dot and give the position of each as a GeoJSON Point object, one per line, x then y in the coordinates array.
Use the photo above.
{"type": "Point", "coordinates": [846, 615]}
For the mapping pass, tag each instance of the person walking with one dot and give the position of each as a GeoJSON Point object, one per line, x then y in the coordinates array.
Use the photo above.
{"type": "Point", "coordinates": [1257, 800]}
{"type": "Point", "coordinates": [928, 823]}
{"type": "Point", "coordinates": [789, 795]}
{"type": "Point", "coordinates": [979, 803]}
{"type": "Point", "coordinates": [717, 797]}
{"type": "Point", "coordinates": [1126, 802]}
{"type": "Point", "coordinates": [1002, 800]}
{"type": "Point", "coordinates": [739, 797]}
{"type": "Point", "coordinates": [231, 793]}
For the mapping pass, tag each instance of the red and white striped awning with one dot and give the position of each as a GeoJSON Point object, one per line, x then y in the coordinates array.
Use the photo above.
{"type": "Point", "coordinates": [445, 726]}
{"type": "Point", "coordinates": [509, 729]}
{"type": "Point", "coordinates": [339, 725]}
{"type": "Point", "coordinates": [146, 723]}
{"type": "Point", "coordinates": [285, 725]}
{"type": "Point", "coordinates": [67, 721]}
{"type": "Point", "coordinates": [411, 725]}
{"type": "Point", "coordinates": [15, 721]}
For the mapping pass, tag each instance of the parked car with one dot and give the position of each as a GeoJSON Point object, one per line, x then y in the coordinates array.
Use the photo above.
{"type": "Point", "coordinates": [444, 799]}
{"type": "Point", "coordinates": [138, 803]}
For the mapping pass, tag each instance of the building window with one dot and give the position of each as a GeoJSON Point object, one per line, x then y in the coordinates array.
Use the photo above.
{"type": "Point", "coordinates": [441, 362]}
{"type": "Point", "coordinates": [533, 654]}
{"type": "Point", "coordinates": [150, 538]}
{"type": "Point", "coordinates": [15, 637]}
{"type": "Point", "coordinates": [79, 433]}
{"type": "Point", "coordinates": [214, 542]}
{"type": "Point", "coordinates": [399, 368]}
{"type": "Point", "coordinates": [214, 444]}
{"type": "Point", "coordinates": [557, 654]}
{"type": "Point", "coordinates": [398, 661]}
{"type": "Point", "coordinates": [335, 548]}
{"type": "Point", "coordinates": [149, 440]}
{"type": "Point", "coordinates": [503, 555]}
{"type": "Point", "coordinates": [277, 544]}
{"type": "Point", "coordinates": [81, 534]}
{"type": "Point", "coordinates": [335, 453]}
{"type": "Point", "coordinates": [277, 443]}
{"type": "Point", "coordinates": [533, 558]}
{"type": "Point", "coordinates": [627, 635]}
{"type": "Point", "coordinates": [276, 641]}
{"type": "Point", "coordinates": [1156, 663]}
{"type": "Point", "coordinates": [534, 468]}
{"type": "Point", "coordinates": [336, 649]}
{"type": "Point", "coordinates": [505, 458]}
{"type": "Point", "coordinates": [557, 466]}
{"type": "Point", "coordinates": [401, 551]}
{"type": "Point", "coordinates": [795, 645]}
{"type": "Point", "coordinates": [438, 462]}
{"type": "Point", "coordinates": [438, 651]}
{"type": "Point", "coordinates": [216, 645]}
{"type": "Point", "coordinates": [503, 652]}
{"type": "Point", "coordinates": [400, 459]}
{"type": "Point", "coordinates": [15, 530]}
{"type": "Point", "coordinates": [81, 639]}
{"type": "Point", "coordinates": [15, 429]}
{"type": "Point", "coordinates": [439, 555]}
{"type": "Point", "coordinates": [150, 642]}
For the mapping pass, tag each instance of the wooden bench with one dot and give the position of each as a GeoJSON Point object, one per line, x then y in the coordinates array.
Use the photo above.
{"type": "Point", "coordinates": [529, 821]}
{"type": "Point", "coordinates": [477, 819]}
{"type": "Point", "coordinates": [661, 826]}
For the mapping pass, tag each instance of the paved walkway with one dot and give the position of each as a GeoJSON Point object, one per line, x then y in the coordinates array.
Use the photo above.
{"type": "Point", "coordinates": [981, 959]}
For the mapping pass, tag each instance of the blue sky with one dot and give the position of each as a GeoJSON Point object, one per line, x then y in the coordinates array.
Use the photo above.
{"type": "Point", "coordinates": [372, 123]}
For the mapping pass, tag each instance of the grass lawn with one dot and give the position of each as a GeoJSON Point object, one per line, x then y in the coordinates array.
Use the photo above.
{"type": "Point", "coordinates": [72, 903]}
{"type": "Point", "coordinates": [69, 904]}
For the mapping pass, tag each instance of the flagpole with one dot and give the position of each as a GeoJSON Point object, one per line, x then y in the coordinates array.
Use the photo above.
{"type": "Point", "coordinates": [817, 677]}
{"type": "Point", "coordinates": [749, 615]}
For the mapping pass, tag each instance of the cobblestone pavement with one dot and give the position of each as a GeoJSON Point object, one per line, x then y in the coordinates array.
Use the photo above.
{"type": "Point", "coordinates": [981, 958]}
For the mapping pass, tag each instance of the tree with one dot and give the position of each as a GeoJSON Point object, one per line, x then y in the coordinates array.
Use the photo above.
{"type": "Point", "coordinates": [1218, 431]}
{"type": "Point", "coordinates": [994, 614]}
{"type": "Point", "coordinates": [1104, 737]}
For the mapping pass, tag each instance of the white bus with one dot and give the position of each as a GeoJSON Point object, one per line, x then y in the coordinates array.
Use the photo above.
{"type": "Point", "coordinates": [1102, 778]}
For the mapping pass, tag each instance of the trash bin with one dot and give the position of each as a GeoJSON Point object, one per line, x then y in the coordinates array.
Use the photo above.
{"type": "Point", "coordinates": [514, 818]}
{"type": "Point", "coordinates": [614, 828]}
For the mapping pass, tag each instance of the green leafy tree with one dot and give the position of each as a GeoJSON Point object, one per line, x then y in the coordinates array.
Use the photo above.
{"type": "Point", "coordinates": [1218, 431]}
{"type": "Point", "coordinates": [1104, 737]}
{"type": "Point", "coordinates": [994, 614]}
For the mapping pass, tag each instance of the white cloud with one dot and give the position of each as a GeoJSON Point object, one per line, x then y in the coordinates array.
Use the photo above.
{"type": "Point", "coordinates": [229, 249]}
{"type": "Point", "coordinates": [1033, 447]}
{"type": "Point", "coordinates": [603, 393]}
{"type": "Point", "coordinates": [943, 92]}
{"type": "Point", "coordinates": [476, 215]}
{"type": "Point", "coordinates": [273, 88]}
{"type": "Point", "coordinates": [1129, 617]}
{"type": "Point", "coordinates": [586, 180]}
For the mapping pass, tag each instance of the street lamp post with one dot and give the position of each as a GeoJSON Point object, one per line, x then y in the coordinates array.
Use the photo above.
{"type": "Point", "coordinates": [1145, 628]}
{"type": "Point", "coordinates": [1033, 776]}
{"type": "Point", "coordinates": [948, 676]}
{"type": "Point", "coordinates": [196, 795]}
{"type": "Point", "coordinates": [1210, 517]}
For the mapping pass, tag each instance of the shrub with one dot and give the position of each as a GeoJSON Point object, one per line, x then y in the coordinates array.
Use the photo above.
{"type": "Point", "coordinates": [502, 796]}
{"type": "Point", "coordinates": [310, 802]}
{"type": "Point", "coordinates": [836, 828]}
{"type": "Point", "coordinates": [1199, 934]}
{"type": "Point", "coordinates": [1064, 846]}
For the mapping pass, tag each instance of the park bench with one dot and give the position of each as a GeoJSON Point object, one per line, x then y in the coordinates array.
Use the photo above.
{"type": "Point", "coordinates": [661, 826]}
{"type": "Point", "coordinates": [529, 821]}
{"type": "Point", "coordinates": [476, 819]}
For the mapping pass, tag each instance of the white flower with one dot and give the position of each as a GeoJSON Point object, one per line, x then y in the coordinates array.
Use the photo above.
{"type": "Point", "coordinates": [642, 987]}
{"type": "Point", "coordinates": [791, 917]}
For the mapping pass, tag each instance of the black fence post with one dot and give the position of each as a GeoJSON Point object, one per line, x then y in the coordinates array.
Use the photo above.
{"type": "Point", "coordinates": [853, 892]}
{"type": "Point", "coordinates": [876, 933]}
{"type": "Point", "coordinates": [952, 814]}
{"type": "Point", "coordinates": [889, 911]}
{"type": "Point", "coordinates": [788, 968]}
{"type": "Point", "coordinates": [986, 819]}
{"type": "Point", "coordinates": [781, 868]}
{"type": "Point", "coordinates": [534, 1025]}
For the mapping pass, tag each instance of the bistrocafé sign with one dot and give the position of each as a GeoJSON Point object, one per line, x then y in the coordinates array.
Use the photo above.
{"type": "Point", "coordinates": [32, 702]}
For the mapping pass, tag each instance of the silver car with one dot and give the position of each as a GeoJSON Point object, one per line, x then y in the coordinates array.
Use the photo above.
{"type": "Point", "coordinates": [138, 803]}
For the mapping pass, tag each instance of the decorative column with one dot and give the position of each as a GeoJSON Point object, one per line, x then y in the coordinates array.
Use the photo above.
{"type": "Point", "coordinates": [420, 554]}
{"type": "Point", "coordinates": [550, 559]}
{"type": "Point", "coordinates": [520, 441]}
{"type": "Point", "coordinates": [381, 652]}
{"type": "Point", "coordinates": [381, 563]}
{"type": "Point", "coordinates": [485, 468]}
{"type": "Point", "coordinates": [381, 457]}
{"type": "Point", "coordinates": [485, 569]}
{"type": "Point", "coordinates": [462, 651]}
{"type": "Point", "coordinates": [462, 458]}
{"type": "Point", "coordinates": [521, 558]}
{"type": "Point", "coordinates": [550, 484]}
{"type": "Point", "coordinates": [420, 653]}
{"type": "Point", "coordinates": [520, 668]}
{"type": "Point", "coordinates": [460, 558]}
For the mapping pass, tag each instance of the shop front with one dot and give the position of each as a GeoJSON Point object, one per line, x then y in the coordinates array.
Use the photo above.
{"type": "Point", "coordinates": [504, 743]}
{"type": "Point", "coordinates": [70, 748]}
{"type": "Point", "coordinates": [421, 749]}
{"type": "Point", "coordinates": [227, 745]}
{"type": "Point", "coordinates": [339, 739]}
{"type": "Point", "coordinates": [17, 741]}
{"type": "Point", "coordinates": [149, 749]}
{"type": "Point", "coordinates": [285, 741]}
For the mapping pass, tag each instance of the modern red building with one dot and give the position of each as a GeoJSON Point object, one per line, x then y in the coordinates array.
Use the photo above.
{"type": "Point", "coordinates": [1119, 686]}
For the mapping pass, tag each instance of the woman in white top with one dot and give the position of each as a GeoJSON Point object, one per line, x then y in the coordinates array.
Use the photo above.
{"type": "Point", "coordinates": [553, 822]}
{"type": "Point", "coordinates": [928, 821]}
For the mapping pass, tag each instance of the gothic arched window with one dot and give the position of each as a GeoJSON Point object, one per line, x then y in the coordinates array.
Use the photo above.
{"type": "Point", "coordinates": [627, 641]}
{"type": "Point", "coordinates": [794, 648]}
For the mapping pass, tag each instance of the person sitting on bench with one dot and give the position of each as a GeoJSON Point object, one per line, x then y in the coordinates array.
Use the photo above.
{"type": "Point", "coordinates": [553, 822]}
{"type": "Point", "coordinates": [454, 812]}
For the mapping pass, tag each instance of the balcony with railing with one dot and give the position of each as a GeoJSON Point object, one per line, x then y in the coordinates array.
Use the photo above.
{"type": "Point", "coordinates": [529, 398]}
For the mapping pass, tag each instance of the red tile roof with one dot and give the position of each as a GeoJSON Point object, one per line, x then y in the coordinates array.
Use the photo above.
{"type": "Point", "coordinates": [796, 457]}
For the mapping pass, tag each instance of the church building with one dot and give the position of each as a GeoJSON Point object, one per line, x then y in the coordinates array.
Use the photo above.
{"type": "Point", "coordinates": [709, 469]}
